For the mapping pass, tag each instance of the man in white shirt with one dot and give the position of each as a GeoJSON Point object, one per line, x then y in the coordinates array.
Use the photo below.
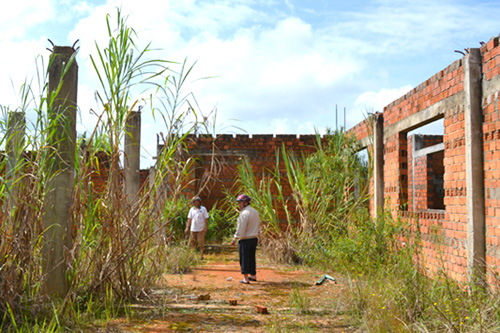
{"type": "Point", "coordinates": [197, 223]}
{"type": "Point", "coordinates": [247, 232]}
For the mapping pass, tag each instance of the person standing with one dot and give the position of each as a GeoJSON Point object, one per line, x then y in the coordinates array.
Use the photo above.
{"type": "Point", "coordinates": [247, 234]}
{"type": "Point", "coordinates": [197, 223]}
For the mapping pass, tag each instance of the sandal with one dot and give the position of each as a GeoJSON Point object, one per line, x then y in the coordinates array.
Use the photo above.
{"type": "Point", "coordinates": [252, 279]}
{"type": "Point", "coordinates": [245, 282]}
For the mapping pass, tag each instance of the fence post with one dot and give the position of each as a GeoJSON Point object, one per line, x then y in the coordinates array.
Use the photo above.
{"type": "Point", "coordinates": [132, 166]}
{"type": "Point", "coordinates": [57, 220]}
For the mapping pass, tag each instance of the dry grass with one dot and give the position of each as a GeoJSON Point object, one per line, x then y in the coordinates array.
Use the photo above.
{"type": "Point", "coordinates": [118, 250]}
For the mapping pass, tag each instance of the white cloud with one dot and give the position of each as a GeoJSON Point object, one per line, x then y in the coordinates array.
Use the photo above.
{"type": "Point", "coordinates": [403, 27]}
{"type": "Point", "coordinates": [262, 71]}
{"type": "Point", "coordinates": [24, 59]}
{"type": "Point", "coordinates": [375, 101]}
{"type": "Point", "coordinates": [16, 17]}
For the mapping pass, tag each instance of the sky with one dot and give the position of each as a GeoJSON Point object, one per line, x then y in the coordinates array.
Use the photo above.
{"type": "Point", "coordinates": [275, 67]}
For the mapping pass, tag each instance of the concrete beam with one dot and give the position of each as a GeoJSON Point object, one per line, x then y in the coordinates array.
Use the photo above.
{"type": "Point", "coordinates": [224, 152]}
{"type": "Point", "coordinates": [428, 150]}
{"type": "Point", "coordinates": [378, 162]}
{"type": "Point", "coordinates": [132, 164]}
{"type": "Point", "coordinates": [474, 165]}
{"type": "Point", "coordinates": [425, 116]}
{"type": "Point", "coordinates": [365, 142]}
{"type": "Point", "coordinates": [57, 221]}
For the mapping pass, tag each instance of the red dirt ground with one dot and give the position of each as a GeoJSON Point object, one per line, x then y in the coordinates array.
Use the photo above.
{"type": "Point", "coordinates": [293, 301]}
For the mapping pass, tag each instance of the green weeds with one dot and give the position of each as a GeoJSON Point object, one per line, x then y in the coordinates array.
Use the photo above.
{"type": "Point", "coordinates": [299, 302]}
{"type": "Point", "coordinates": [221, 224]}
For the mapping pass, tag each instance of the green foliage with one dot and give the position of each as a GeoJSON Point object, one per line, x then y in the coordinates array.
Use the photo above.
{"type": "Point", "coordinates": [175, 216]}
{"type": "Point", "coordinates": [363, 246]}
{"type": "Point", "coordinates": [221, 224]}
{"type": "Point", "coordinates": [400, 296]}
{"type": "Point", "coordinates": [261, 194]}
{"type": "Point", "coordinates": [329, 186]}
{"type": "Point", "coordinates": [329, 189]}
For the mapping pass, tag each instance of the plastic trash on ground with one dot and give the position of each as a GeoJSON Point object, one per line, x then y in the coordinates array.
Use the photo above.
{"type": "Point", "coordinates": [325, 277]}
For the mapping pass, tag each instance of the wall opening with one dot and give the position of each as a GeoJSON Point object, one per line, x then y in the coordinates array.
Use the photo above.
{"type": "Point", "coordinates": [362, 155]}
{"type": "Point", "coordinates": [426, 167]}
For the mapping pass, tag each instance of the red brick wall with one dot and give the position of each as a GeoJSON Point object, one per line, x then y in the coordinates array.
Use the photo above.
{"type": "Point", "coordinates": [444, 84]}
{"type": "Point", "coordinates": [362, 130]}
{"type": "Point", "coordinates": [396, 171]}
{"type": "Point", "coordinates": [435, 179]}
{"type": "Point", "coordinates": [444, 231]}
{"type": "Point", "coordinates": [491, 140]}
{"type": "Point", "coordinates": [230, 152]}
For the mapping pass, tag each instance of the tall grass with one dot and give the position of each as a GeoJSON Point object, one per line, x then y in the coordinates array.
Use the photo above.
{"type": "Point", "coordinates": [112, 257]}
{"type": "Point", "coordinates": [331, 229]}
{"type": "Point", "coordinates": [328, 189]}
{"type": "Point", "coordinates": [21, 194]}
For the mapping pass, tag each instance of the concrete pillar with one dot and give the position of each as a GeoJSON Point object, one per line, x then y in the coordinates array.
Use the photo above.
{"type": "Point", "coordinates": [476, 243]}
{"type": "Point", "coordinates": [378, 162]}
{"type": "Point", "coordinates": [57, 218]}
{"type": "Point", "coordinates": [132, 163]}
{"type": "Point", "coordinates": [16, 128]}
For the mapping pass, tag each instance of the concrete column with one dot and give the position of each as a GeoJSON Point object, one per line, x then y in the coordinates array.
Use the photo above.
{"type": "Point", "coordinates": [132, 163]}
{"type": "Point", "coordinates": [476, 243]}
{"type": "Point", "coordinates": [16, 128]}
{"type": "Point", "coordinates": [57, 221]}
{"type": "Point", "coordinates": [378, 162]}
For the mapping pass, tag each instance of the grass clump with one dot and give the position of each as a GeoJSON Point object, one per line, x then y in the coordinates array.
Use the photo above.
{"type": "Point", "coordinates": [299, 302]}
{"type": "Point", "coordinates": [179, 259]}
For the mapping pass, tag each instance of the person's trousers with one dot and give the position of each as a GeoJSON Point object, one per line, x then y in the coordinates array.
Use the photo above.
{"type": "Point", "coordinates": [247, 249]}
{"type": "Point", "coordinates": [197, 236]}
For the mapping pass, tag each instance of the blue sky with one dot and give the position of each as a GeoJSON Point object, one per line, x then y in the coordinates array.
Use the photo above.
{"type": "Point", "coordinates": [280, 66]}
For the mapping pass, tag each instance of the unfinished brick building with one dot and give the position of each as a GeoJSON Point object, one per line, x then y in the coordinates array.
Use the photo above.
{"type": "Point", "coordinates": [448, 186]}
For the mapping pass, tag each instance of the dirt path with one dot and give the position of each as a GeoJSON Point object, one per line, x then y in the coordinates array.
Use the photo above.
{"type": "Point", "coordinates": [200, 301]}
